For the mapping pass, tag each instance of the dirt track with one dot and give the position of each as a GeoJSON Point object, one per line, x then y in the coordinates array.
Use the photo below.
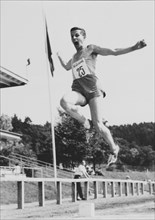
{"type": "Point", "coordinates": [134, 207]}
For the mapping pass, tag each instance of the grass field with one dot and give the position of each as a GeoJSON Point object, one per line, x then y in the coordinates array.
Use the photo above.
{"type": "Point", "coordinates": [118, 208]}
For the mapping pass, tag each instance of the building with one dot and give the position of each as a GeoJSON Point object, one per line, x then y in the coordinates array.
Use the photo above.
{"type": "Point", "coordinates": [10, 79]}
{"type": "Point", "coordinates": [6, 136]}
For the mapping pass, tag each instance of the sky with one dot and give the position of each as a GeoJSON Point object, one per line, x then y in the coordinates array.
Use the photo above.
{"type": "Point", "coordinates": [127, 79]}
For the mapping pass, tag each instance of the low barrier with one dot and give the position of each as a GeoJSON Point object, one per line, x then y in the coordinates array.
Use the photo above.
{"type": "Point", "coordinates": [112, 187]}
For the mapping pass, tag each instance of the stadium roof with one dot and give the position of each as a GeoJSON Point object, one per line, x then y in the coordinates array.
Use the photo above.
{"type": "Point", "coordinates": [9, 135]}
{"type": "Point", "coordinates": [10, 79]}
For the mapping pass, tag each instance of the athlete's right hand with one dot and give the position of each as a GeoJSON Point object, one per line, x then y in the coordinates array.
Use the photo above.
{"type": "Point", "coordinates": [58, 54]}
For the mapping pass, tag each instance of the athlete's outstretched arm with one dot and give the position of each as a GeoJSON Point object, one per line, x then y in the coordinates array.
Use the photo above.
{"type": "Point", "coordinates": [116, 52]}
{"type": "Point", "coordinates": [67, 66]}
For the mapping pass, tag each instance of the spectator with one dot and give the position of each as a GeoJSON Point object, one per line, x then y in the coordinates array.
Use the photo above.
{"type": "Point", "coordinates": [60, 166]}
{"type": "Point", "coordinates": [99, 172]}
{"type": "Point", "coordinates": [80, 171]}
{"type": "Point", "coordinates": [90, 170]}
{"type": "Point", "coordinates": [17, 169]}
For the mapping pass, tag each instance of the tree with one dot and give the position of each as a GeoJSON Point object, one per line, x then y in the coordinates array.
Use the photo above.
{"type": "Point", "coordinates": [136, 142]}
{"type": "Point", "coordinates": [97, 150]}
{"type": "Point", "coordinates": [5, 123]}
{"type": "Point", "coordinates": [70, 140]}
{"type": "Point", "coordinates": [147, 156]}
{"type": "Point", "coordinates": [17, 124]}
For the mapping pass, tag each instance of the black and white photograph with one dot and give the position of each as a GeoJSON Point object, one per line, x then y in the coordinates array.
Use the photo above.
{"type": "Point", "coordinates": [77, 110]}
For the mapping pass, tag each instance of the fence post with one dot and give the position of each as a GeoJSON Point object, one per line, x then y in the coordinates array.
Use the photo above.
{"type": "Point", "coordinates": [126, 189]}
{"type": "Point", "coordinates": [120, 188]}
{"type": "Point", "coordinates": [32, 172]}
{"type": "Point", "coordinates": [153, 187]}
{"type": "Point", "coordinates": [95, 189]}
{"type": "Point", "coordinates": [20, 194]}
{"type": "Point", "coordinates": [142, 188]}
{"type": "Point", "coordinates": [59, 192]}
{"type": "Point", "coordinates": [105, 189]}
{"type": "Point", "coordinates": [86, 189]}
{"type": "Point", "coordinates": [112, 189]}
{"type": "Point", "coordinates": [150, 187]}
{"type": "Point", "coordinates": [137, 188]}
{"type": "Point", "coordinates": [41, 193]}
{"type": "Point", "coordinates": [74, 193]}
{"type": "Point", "coordinates": [132, 188]}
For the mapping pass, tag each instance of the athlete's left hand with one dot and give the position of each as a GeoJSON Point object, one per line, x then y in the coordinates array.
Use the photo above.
{"type": "Point", "coordinates": [140, 44]}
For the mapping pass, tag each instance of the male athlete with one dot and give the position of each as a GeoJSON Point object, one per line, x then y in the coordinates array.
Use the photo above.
{"type": "Point", "coordinates": [86, 88]}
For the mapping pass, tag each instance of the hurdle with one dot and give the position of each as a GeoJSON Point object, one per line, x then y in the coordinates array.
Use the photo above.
{"type": "Point", "coordinates": [109, 187]}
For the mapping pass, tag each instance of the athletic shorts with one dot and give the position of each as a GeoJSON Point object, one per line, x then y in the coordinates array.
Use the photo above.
{"type": "Point", "coordinates": [89, 87]}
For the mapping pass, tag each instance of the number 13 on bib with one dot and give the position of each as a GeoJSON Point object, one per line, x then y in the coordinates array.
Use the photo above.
{"type": "Point", "coordinates": [80, 69]}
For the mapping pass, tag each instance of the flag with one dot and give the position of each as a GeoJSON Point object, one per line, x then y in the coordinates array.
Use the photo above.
{"type": "Point", "coordinates": [48, 50]}
{"type": "Point", "coordinates": [28, 62]}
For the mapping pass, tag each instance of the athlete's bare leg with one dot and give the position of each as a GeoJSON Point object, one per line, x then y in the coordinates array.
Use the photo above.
{"type": "Point", "coordinates": [70, 102]}
{"type": "Point", "coordinates": [96, 115]}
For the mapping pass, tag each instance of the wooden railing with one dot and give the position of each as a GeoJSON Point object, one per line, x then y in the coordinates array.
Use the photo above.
{"type": "Point", "coordinates": [110, 187]}
{"type": "Point", "coordinates": [34, 161]}
{"type": "Point", "coordinates": [11, 170]}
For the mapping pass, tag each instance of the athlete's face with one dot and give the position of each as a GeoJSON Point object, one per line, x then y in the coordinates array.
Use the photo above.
{"type": "Point", "coordinates": [77, 38]}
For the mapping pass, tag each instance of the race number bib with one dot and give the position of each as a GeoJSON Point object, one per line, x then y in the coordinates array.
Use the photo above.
{"type": "Point", "coordinates": [80, 69]}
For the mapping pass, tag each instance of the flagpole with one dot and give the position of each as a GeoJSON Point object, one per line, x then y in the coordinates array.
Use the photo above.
{"type": "Point", "coordinates": [50, 102]}
{"type": "Point", "coordinates": [52, 124]}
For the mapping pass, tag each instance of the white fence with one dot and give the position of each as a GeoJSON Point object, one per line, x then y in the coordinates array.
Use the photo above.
{"type": "Point", "coordinates": [108, 187]}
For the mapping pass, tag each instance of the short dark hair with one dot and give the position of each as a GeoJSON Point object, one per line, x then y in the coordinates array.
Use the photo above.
{"type": "Point", "coordinates": [77, 28]}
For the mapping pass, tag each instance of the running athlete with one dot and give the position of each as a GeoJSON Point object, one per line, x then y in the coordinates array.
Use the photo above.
{"type": "Point", "coordinates": [86, 88]}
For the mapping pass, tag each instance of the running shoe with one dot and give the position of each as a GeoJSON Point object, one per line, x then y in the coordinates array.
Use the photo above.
{"type": "Point", "coordinates": [113, 157]}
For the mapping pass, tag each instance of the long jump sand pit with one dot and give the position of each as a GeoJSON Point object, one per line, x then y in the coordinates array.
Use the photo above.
{"type": "Point", "coordinates": [118, 208]}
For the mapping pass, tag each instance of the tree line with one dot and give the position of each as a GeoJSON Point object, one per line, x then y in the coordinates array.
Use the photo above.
{"type": "Point", "coordinates": [136, 142]}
